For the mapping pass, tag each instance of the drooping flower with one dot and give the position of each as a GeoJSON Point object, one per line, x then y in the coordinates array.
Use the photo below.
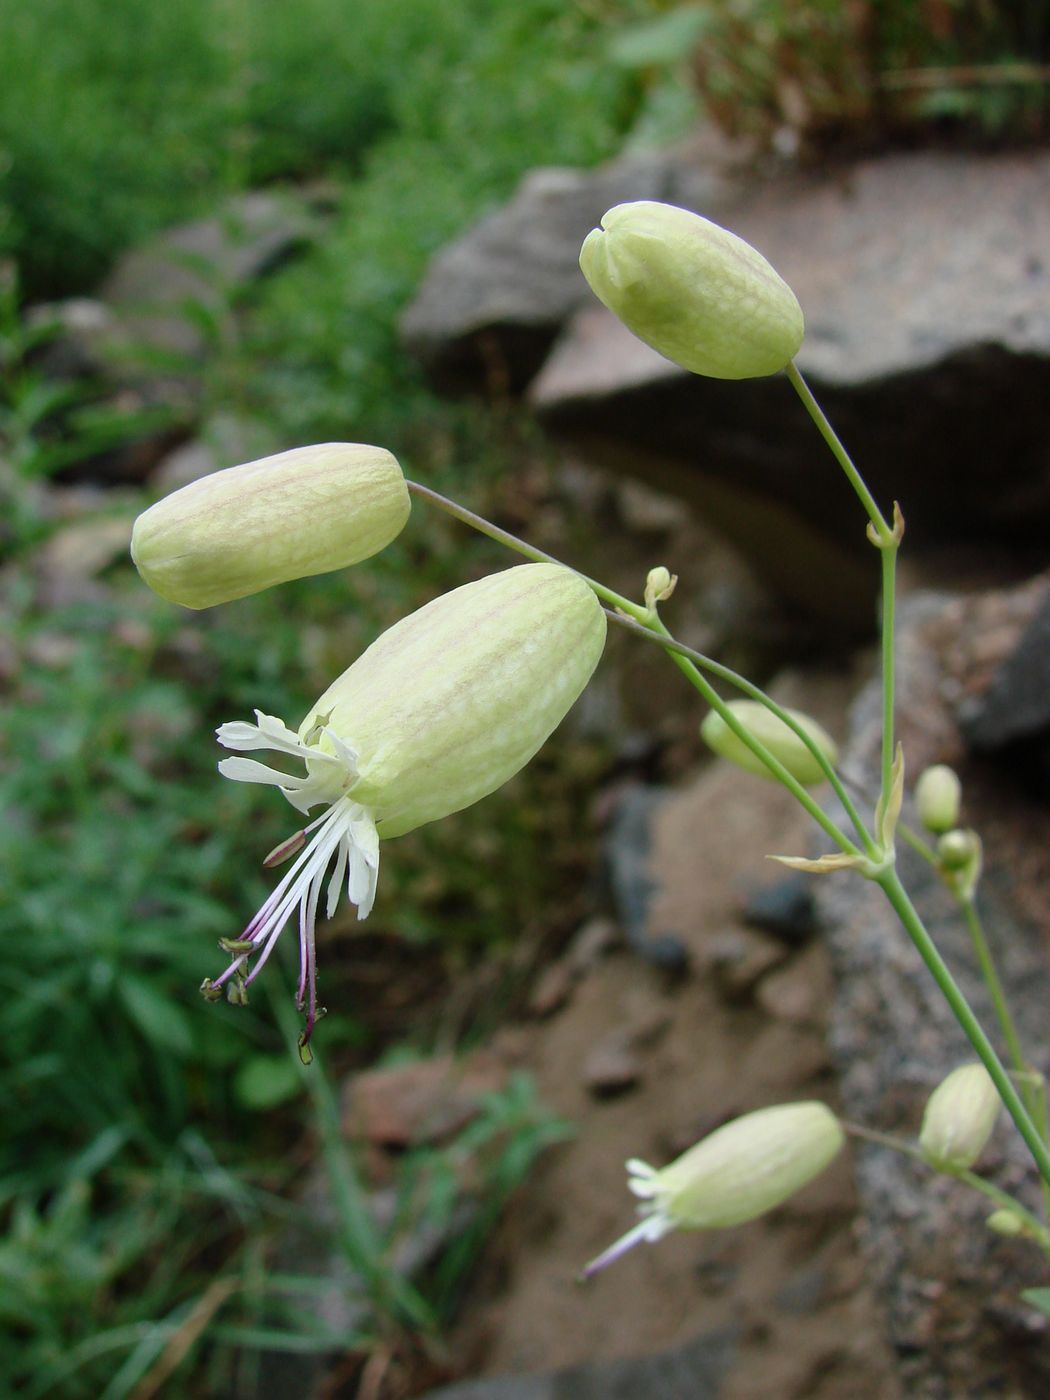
{"type": "Point", "coordinates": [959, 1119]}
{"type": "Point", "coordinates": [734, 1175]}
{"type": "Point", "coordinates": [247, 528]}
{"type": "Point", "coordinates": [442, 709]}
{"type": "Point", "coordinates": [692, 290]}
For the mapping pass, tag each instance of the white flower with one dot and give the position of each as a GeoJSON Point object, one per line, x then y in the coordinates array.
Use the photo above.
{"type": "Point", "coordinates": [734, 1175]}
{"type": "Point", "coordinates": [440, 711]}
{"type": "Point", "coordinates": [345, 843]}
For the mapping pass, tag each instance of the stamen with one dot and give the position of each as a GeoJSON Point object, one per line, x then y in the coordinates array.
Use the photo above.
{"type": "Point", "coordinates": [344, 841]}
{"type": "Point", "coordinates": [652, 1228]}
{"type": "Point", "coordinates": [285, 850]}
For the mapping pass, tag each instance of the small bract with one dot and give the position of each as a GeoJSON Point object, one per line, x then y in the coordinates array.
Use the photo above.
{"type": "Point", "coordinates": [441, 710]}
{"type": "Point", "coordinates": [250, 527]}
{"type": "Point", "coordinates": [692, 290]}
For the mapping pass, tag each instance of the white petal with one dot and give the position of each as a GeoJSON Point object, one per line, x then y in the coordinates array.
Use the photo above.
{"type": "Point", "coordinates": [269, 733]}
{"type": "Point", "coordinates": [335, 884]}
{"type": "Point", "coordinates": [365, 836]}
{"type": "Point", "coordinates": [345, 752]}
{"type": "Point", "coordinates": [247, 770]}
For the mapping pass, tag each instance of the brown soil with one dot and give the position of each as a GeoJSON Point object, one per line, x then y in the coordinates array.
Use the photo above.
{"type": "Point", "coordinates": [729, 1036]}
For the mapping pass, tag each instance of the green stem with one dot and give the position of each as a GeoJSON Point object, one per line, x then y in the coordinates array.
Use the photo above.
{"type": "Point", "coordinates": [699, 682]}
{"type": "Point", "coordinates": [979, 1183]}
{"type": "Point", "coordinates": [994, 985]}
{"type": "Point", "coordinates": [889, 594]}
{"type": "Point", "coordinates": [838, 451]}
{"type": "Point", "coordinates": [1032, 1092]}
{"type": "Point", "coordinates": [650, 624]}
{"type": "Point", "coordinates": [894, 891]}
{"type": "Point", "coordinates": [538, 556]}
{"type": "Point", "coordinates": [663, 638]}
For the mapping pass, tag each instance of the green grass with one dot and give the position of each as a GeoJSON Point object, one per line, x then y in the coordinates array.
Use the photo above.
{"type": "Point", "coordinates": [152, 1142]}
{"type": "Point", "coordinates": [118, 117]}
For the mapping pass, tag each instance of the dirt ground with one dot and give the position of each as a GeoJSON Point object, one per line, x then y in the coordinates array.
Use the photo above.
{"type": "Point", "coordinates": [643, 1064]}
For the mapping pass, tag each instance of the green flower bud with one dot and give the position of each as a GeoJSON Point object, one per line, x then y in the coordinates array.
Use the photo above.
{"type": "Point", "coordinates": [693, 291]}
{"type": "Point", "coordinates": [247, 528]}
{"type": "Point", "coordinates": [937, 797]}
{"type": "Point", "coordinates": [739, 1172]}
{"type": "Point", "coordinates": [959, 1119]}
{"type": "Point", "coordinates": [441, 710]}
{"type": "Point", "coordinates": [783, 743]}
{"type": "Point", "coordinates": [660, 583]}
{"type": "Point", "coordinates": [961, 858]}
{"type": "Point", "coordinates": [1005, 1222]}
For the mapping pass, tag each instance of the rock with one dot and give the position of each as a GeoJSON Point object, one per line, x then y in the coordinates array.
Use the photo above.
{"type": "Point", "coordinates": [137, 351]}
{"type": "Point", "coordinates": [223, 441]}
{"type": "Point", "coordinates": [693, 1372]}
{"type": "Point", "coordinates": [738, 959]}
{"type": "Point", "coordinates": [73, 333]}
{"type": "Point", "coordinates": [799, 992]}
{"type": "Point", "coordinates": [613, 1065]}
{"type": "Point", "coordinates": [492, 301]}
{"type": "Point", "coordinates": [591, 942]}
{"type": "Point", "coordinates": [1015, 704]}
{"type": "Point", "coordinates": [426, 1101]}
{"type": "Point", "coordinates": [627, 851]}
{"type": "Point", "coordinates": [938, 1269]}
{"type": "Point", "coordinates": [166, 293]}
{"type": "Point", "coordinates": [786, 908]}
{"type": "Point", "coordinates": [926, 286]}
{"type": "Point", "coordinates": [83, 550]}
{"type": "Point", "coordinates": [553, 988]}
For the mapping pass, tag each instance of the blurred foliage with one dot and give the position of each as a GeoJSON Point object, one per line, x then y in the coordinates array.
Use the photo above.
{"type": "Point", "coordinates": [151, 1141]}
{"type": "Point", "coordinates": [219, 95]}
{"type": "Point", "coordinates": [800, 74]}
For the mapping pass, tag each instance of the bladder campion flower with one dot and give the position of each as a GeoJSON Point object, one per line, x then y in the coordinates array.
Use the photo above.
{"type": "Point", "coordinates": [735, 1174]}
{"type": "Point", "coordinates": [441, 710]}
{"type": "Point", "coordinates": [959, 1118]}
{"type": "Point", "coordinates": [247, 528]}
{"type": "Point", "coordinates": [783, 743]}
{"type": "Point", "coordinates": [692, 290]}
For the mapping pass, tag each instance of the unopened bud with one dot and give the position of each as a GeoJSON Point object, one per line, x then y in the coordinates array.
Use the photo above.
{"type": "Point", "coordinates": [692, 290]}
{"type": "Point", "coordinates": [783, 743]}
{"type": "Point", "coordinates": [959, 1119]}
{"type": "Point", "coordinates": [659, 585]}
{"type": "Point", "coordinates": [736, 1174]}
{"type": "Point", "coordinates": [961, 857]}
{"type": "Point", "coordinates": [247, 528]}
{"type": "Point", "coordinates": [937, 797]}
{"type": "Point", "coordinates": [1005, 1222]}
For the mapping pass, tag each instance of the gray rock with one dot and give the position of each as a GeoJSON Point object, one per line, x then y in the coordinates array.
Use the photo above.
{"type": "Point", "coordinates": [138, 352]}
{"type": "Point", "coordinates": [950, 1287]}
{"type": "Point", "coordinates": [1016, 703]}
{"type": "Point", "coordinates": [738, 959]}
{"type": "Point", "coordinates": [785, 907]}
{"type": "Point", "coordinates": [166, 292]}
{"type": "Point", "coordinates": [493, 300]}
{"type": "Point", "coordinates": [693, 1372]}
{"type": "Point", "coordinates": [627, 850]}
{"type": "Point", "coordinates": [925, 280]}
